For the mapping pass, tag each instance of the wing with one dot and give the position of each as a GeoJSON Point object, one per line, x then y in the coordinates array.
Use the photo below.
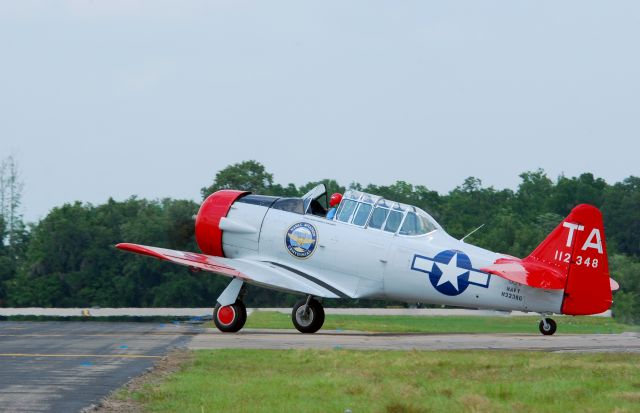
{"type": "Point", "coordinates": [264, 273]}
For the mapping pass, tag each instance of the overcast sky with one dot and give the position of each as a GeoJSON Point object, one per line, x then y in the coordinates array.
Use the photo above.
{"type": "Point", "coordinates": [115, 98]}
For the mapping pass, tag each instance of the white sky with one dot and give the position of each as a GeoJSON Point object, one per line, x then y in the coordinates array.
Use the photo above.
{"type": "Point", "coordinates": [114, 98]}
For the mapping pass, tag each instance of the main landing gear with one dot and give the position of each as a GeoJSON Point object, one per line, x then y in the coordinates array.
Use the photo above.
{"type": "Point", "coordinates": [230, 318]}
{"type": "Point", "coordinates": [308, 315]}
{"type": "Point", "coordinates": [230, 313]}
{"type": "Point", "coordinates": [547, 326]}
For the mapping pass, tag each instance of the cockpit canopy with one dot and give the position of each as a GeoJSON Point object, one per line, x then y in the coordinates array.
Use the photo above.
{"type": "Point", "coordinates": [374, 212]}
{"type": "Point", "coordinates": [357, 208]}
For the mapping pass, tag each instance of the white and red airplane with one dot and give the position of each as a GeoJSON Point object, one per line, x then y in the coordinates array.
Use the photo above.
{"type": "Point", "coordinates": [377, 248]}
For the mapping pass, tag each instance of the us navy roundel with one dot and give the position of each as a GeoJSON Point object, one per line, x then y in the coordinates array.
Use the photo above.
{"type": "Point", "coordinates": [450, 272]}
{"type": "Point", "coordinates": [301, 240]}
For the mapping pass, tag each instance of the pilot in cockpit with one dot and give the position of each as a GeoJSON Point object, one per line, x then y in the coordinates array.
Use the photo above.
{"type": "Point", "coordinates": [316, 208]}
{"type": "Point", "coordinates": [334, 201]}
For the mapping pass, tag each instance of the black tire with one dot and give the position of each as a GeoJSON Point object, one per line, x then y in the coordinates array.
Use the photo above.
{"type": "Point", "coordinates": [232, 317]}
{"type": "Point", "coordinates": [551, 327]}
{"type": "Point", "coordinates": [313, 321]}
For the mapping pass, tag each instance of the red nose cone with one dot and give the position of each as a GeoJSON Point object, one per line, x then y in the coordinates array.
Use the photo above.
{"type": "Point", "coordinates": [208, 233]}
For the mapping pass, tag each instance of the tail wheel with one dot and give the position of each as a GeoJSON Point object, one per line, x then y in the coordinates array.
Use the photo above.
{"type": "Point", "coordinates": [548, 326]}
{"type": "Point", "coordinates": [230, 318]}
{"type": "Point", "coordinates": [308, 321]}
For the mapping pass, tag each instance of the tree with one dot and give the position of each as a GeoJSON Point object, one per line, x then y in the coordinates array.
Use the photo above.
{"type": "Point", "coordinates": [71, 261]}
{"type": "Point", "coordinates": [470, 205]}
{"type": "Point", "coordinates": [7, 264]}
{"type": "Point", "coordinates": [569, 192]}
{"type": "Point", "coordinates": [11, 187]}
{"type": "Point", "coordinates": [626, 302]}
{"type": "Point", "coordinates": [621, 211]}
{"type": "Point", "coordinates": [14, 236]}
{"type": "Point", "coordinates": [68, 258]}
{"type": "Point", "coordinates": [534, 193]}
{"type": "Point", "coordinates": [244, 176]}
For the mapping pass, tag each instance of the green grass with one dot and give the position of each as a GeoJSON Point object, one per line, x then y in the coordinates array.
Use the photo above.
{"type": "Point", "coordinates": [397, 381]}
{"type": "Point", "coordinates": [443, 324]}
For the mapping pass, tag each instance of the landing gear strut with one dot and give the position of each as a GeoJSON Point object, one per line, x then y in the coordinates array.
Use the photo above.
{"type": "Point", "coordinates": [308, 315]}
{"type": "Point", "coordinates": [547, 326]}
{"type": "Point", "coordinates": [230, 318]}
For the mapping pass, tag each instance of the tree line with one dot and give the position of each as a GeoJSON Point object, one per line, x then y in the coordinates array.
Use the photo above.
{"type": "Point", "coordinates": [68, 258]}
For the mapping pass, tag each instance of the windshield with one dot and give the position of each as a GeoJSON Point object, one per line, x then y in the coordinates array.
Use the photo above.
{"type": "Point", "coordinates": [416, 224]}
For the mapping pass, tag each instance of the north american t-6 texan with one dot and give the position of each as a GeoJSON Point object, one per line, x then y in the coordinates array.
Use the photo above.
{"type": "Point", "coordinates": [375, 248]}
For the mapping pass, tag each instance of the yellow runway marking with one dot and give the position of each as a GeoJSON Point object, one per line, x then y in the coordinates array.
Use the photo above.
{"type": "Point", "coordinates": [127, 356]}
{"type": "Point", "coordinates": [98, 334]}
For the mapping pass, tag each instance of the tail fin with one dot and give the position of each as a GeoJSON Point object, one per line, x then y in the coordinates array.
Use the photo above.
{"type": "Point", "coordinates": [577, 249]}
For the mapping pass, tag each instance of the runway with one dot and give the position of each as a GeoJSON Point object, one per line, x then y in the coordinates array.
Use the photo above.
{"type": "Point", "coordinates": [68, 366]}
{"type": "Point", "coordinates": [287, 339]}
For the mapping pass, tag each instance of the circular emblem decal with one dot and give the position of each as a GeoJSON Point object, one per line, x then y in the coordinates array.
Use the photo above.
{"type": "Point", "coordinates": [301, 240]}
{"type": "Point", "coordinates": [450, 272]}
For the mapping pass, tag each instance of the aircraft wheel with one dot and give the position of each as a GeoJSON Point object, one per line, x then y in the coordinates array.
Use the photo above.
{"type": "Point", "coordinates": [230, 318]}
{"type": "Point", "coordinates": [311, 321]}
{"type": "Point", "coordinates": [549, 328]}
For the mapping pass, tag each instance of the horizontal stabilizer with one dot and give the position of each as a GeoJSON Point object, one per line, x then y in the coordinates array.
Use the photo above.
{"type": "Point", "coordinates": [531, 273]}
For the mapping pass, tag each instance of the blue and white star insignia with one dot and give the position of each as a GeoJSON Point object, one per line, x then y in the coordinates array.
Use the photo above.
{"type": "Point", "coordinates": [450, 272]}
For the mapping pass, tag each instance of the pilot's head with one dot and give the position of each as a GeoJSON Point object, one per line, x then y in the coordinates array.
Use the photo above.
{"type": "Point", "coordinates": [335, 199]}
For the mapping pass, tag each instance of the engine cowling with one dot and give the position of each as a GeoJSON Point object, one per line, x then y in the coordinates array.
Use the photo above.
{"type": "Point", "coordinates": [212, 210]}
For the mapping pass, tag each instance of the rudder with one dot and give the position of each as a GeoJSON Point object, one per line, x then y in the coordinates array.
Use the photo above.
{"type": "Point", "coordinates": [577, 248]}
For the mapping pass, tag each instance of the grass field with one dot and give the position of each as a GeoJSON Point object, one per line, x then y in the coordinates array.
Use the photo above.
{"type": "Point", "coordinates": [394, 382]}
{"type": "Point", "coordinates": [443, 324]}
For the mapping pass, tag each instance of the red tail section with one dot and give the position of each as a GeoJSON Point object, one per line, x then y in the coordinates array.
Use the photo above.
{"type": "Point", "coordinates": [577, 249]}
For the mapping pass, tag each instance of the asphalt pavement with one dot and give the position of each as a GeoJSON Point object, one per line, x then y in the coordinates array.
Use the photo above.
{"type": "Point", "coordinates": [68, 366]}
{"type": "Point", "coordinates": [327, 339]}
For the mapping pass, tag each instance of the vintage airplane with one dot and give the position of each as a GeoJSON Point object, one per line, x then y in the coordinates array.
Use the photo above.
{"type": "Point", "coordinates": [377, 248]}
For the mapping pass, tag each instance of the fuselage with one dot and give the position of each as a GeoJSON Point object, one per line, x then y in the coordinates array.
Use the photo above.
{"type": "Point", "coordinates": [366, 262]}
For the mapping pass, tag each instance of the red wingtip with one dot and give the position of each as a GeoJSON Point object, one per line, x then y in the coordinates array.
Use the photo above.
{"type": "Point", "coordinates": [139, 249]}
